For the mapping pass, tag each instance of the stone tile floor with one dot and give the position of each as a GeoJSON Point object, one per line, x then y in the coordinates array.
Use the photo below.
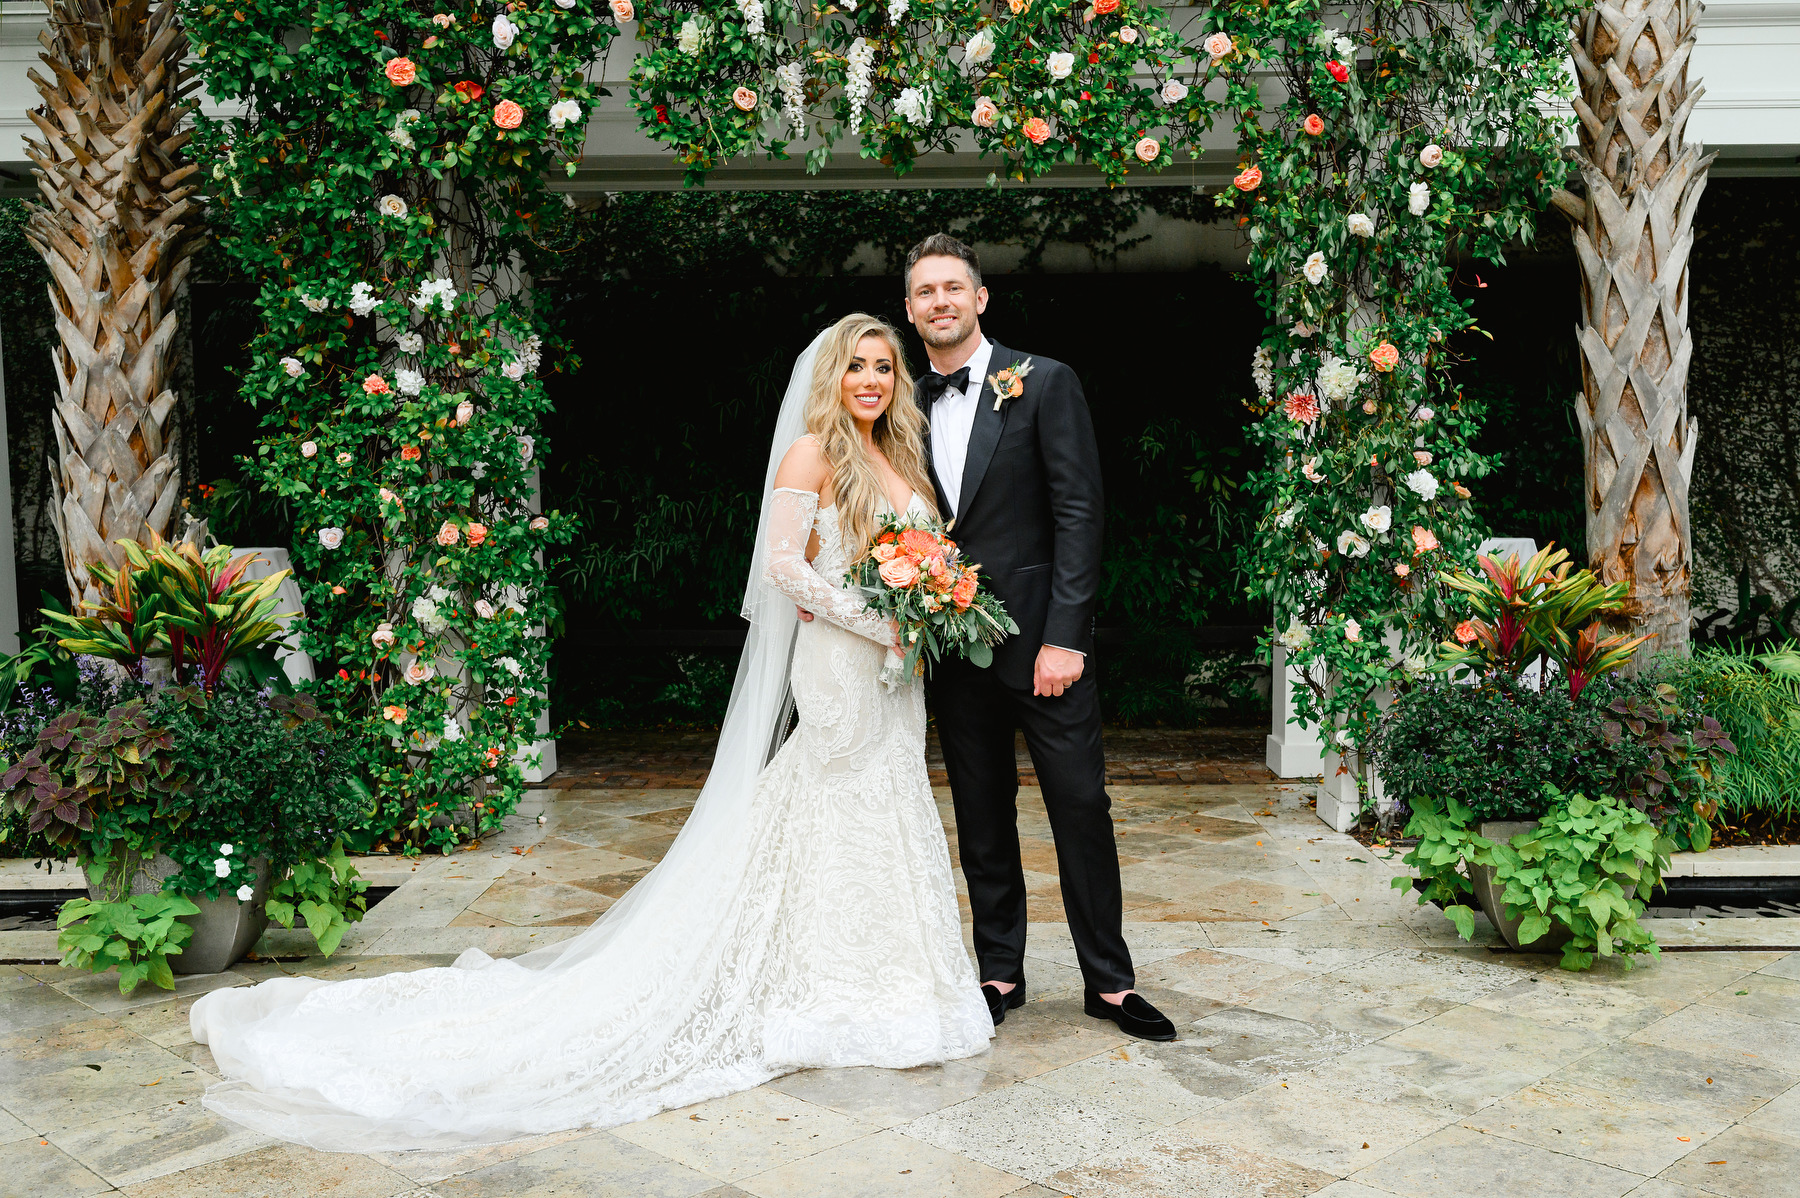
{"type": "Point", "coordinates": [1335, 1040]}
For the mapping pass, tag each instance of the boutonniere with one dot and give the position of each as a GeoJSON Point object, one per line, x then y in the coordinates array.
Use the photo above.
{"type": "Point", "coordinates": [1009, 383]}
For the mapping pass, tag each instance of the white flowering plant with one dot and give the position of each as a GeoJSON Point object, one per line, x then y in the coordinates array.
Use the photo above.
{"type": "Point", "coordinates": [438, 135]}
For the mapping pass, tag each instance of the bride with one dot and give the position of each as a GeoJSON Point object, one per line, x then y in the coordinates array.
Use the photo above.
{"type": "Point", "coordinates": [805, 916]}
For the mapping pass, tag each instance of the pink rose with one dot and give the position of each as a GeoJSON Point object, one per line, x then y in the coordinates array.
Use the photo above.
{"type": "Point", "coordinates": [465, 412]}
{"type": "Point", "coordinates": [1384, 357]}
{"type": "Point", "coordinates": [899, 573]}
{"type": "Point", "coordinates": [1402, 569]}
{"type": "Point", "coordinates": [1147, 149]}
{"type": "Point", "coordinates": [745, 99]}
{"type": "Point", "coordinates": [622, 10]}
{"type": "Point", "coordinates": [1424, 540]}
{"type": "Point", "coordinates": [400, 71]}
{"type": "Point", "coordinates": [986, 113]}
{"type": "Point", "coordinates": [419, 672]}
{"type": "Point", "coordinates": [375, 385]}
{"type": "Point", "coordinates": [1218, 44]}
{"type": "Point", "coordinates": [476, 534]}
{"type": "Point", "coordinates": [1036, 130]}
{"type": "Point", "coordinates": [508, 115]}
{"type": "Point", "coordinates": [447, 534]}
{"type": "Point", "coordinates": [540, 523]}
{"type": "Point", "coordinates": [1314, 124]}
{"type": "Point", "coordinates": [1248, 179]}
{"type": "Point", "coordinates": [1431, 155]}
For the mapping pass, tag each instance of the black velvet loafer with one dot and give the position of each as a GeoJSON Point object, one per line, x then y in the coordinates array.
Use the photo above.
{"type": "Point", "coordinates": [999, 1004]}
{"type": "Point", "coordinates": [1135, 1016]}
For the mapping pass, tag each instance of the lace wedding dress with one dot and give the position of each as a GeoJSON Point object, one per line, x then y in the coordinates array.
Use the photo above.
{"type": "Point", "coordinates": [816, 927]}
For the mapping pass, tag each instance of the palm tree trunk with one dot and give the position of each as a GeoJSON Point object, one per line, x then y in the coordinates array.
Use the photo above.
{"type": "Point", "coordinates": [1633, 234]}
{"type": "Point", "coordinates": [117, 229]}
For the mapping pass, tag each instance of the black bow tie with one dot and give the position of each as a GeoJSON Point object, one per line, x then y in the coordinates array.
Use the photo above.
{"type": "Point", "coordinates": [933, 385]}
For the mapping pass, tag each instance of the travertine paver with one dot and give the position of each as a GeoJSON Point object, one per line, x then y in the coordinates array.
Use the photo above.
{"type": "Point", "coordinates": [1335, 1041]}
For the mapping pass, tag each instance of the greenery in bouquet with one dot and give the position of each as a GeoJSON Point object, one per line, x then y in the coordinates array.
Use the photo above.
{"type": "Point", "coordinates": [916, 574]}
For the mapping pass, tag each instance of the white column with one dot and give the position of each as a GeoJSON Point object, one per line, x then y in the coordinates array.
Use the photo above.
{"type": "Point", "coordinates": [9, 576]}
{"type": "Point", "coordinates": [1293, 750]}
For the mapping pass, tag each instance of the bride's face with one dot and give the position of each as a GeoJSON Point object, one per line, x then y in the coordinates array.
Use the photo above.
{"type": "Point", "coordinates": [868, 385]}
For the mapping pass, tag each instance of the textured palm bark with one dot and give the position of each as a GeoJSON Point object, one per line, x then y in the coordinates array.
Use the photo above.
{"type": "Point", "coordinates": [1633, 234]}
{"type": "Point", "coordinates": [117, 228]}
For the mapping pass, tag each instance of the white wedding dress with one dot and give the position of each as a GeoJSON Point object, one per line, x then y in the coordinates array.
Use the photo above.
{"type": "Point", "coordinates": [808, 920]}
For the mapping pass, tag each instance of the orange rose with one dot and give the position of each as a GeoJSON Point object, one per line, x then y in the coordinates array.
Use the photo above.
{"type": "Point", "coordinates": [1314, 124]}
{"type": "Point", "coordinates": [963, 593]}
{"type": "Point", "coordinates": [1465, 632]}
{"type": "Point", "coordinates": [400, 72]}
{"type": "Point", "coordinates": [1424, 540]}
{"type": "Point", "coordinates": [409, 453]}
{"type": "Point", "coordinates": [900, 573]}
{"type": "Point", "coordinates": [1248, 179]}
{"type": "Point", "coordinates": [476, 534]}
{"type": "Point", "coordinates": [886, 537]}
{"type": "Point", "coordinates": [394, 712]}
{"type": "Point", "coordinates": [508, 115]}
{"type": "Point", "coordinates": [1036, 130]}
{"type": "Point", "coordinates": [1384, 356]}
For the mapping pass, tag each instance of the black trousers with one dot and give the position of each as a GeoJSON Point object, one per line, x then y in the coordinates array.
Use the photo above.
{"type": "Point", "coordinates": [976, 718]}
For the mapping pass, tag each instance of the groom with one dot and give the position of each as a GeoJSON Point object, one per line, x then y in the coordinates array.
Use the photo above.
{"type": "Point", "coordinates": [1020, 474]}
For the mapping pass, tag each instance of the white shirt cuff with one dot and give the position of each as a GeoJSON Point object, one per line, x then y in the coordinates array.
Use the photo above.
{"type": "Point", "coordinates": [1076, 652]}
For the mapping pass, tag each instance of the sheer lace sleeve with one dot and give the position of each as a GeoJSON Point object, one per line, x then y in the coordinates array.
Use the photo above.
{"type": "Point", "coordinates": [790, 526]}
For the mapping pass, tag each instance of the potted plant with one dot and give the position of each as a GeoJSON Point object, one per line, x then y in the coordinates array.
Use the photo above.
{"type": "Point", "coordinates": [213, 803]}
{"type": "Point", "coordinates": [1537, 780]}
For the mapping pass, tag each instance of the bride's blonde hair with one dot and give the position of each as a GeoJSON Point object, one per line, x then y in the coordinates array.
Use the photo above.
{"type": "Point", "coordinates": [899, 431]}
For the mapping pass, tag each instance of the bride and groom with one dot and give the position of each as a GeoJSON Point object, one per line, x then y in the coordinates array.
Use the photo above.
{"type": "Point", "coordinates": [805, 917]}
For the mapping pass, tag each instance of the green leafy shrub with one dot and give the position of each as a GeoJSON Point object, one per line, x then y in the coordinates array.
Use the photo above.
{"type": "Point", "coordinates": [1757, 704]}
{"type": "Point", "coordinates": [137, 935]}
{"type": "Point", "coordinates": [326, 893]}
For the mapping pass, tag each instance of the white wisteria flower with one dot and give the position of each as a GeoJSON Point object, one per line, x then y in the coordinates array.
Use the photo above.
{"type": "Point", "coordinates": [293, 367]}
{"type": "Point", "coordinates": [1378, 519]}
{"type": "Point", "coordinates": [913, 106]}
{"type": "Point", "coordinates": [527, 447]}
{"type": "Point", "coordinates": [308, 448]}
{"type": "Point", "coordinates": [859, 71]}
{"type": "Point", "coordinates": [790, 77]}
{"type": "Point", "coordinates": [897, 11]}
{"type": "Point", "coordinates": [408, 382]}
{"type": "Point", "coordinates": [439, 291]}
{"type": "Point", "coordinates": [1422, 484]}
{"type": "Point", "coordinates": [1296, 636]}
{"type": "Point", "coordinates": [1352, 544]}
{"type": "Point", "coordinates": [331, 538]}
{"type": "Point", "coordinates": [752, 12]}
{"type": "Point", "coordinates": [563, 112]}
{"type": "Point", "coordinates": [246, 892]}
{"type": "Point", "coordinates": [314, 303]}
{"type": "Point", "coordinates": [391, 205]}
{"type": "Point", "coordinates": [505, 33]}
{"type": "Point", "coordinates": [979, 48]}
{"type": "Point", "coordinates": [1338, 380]}
{"type": "Point", "coordinates": [1418, 199]}
{"type": "Point", "coordinates": [1315, 270]}
{"type": "Point", "coordinates": [1360, 225]}
{"type": "Point", "coordinates": [1174, 91]}
{"type": "Point", "coordinates": [410, 343]}
{"type": "Point", "coordinates": [362, 299]}
{"type": "Point", "coordinates": [484, 609]}
{"type": "Point", "coordinates": [1060, 64]}
{"type": "Point", "coordinates": [688, 40]}
{"type": "Point", "coordinates": [1262, 371]}
{"type": "Point", "coordinates": [1352, 630]}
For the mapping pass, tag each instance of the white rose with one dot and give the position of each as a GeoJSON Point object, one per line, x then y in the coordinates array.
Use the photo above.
{"type": "Point", "coordinates": [293, 367]}
{"type": "Point", "coordinates": [1128, 35]}
{"type": "Point", "coordinates": [1344, 46]}
{"type": "Point", "coordinates": [562, 112]}
{"type": "Point", "coordinates": [408, 382]}
{"type": "Point", "coordinates": [1431, 155]}
{"type": "Point", "coordinates": [1174, 91]}
{"type": "Point", "coordinates": [1426, 413]}
{"type": "Point", "coordinates": [1378, 519]}
{"type": "Point", "coordinates": [331, 538]}
{"type": "Point", "coordinates": [222, 868]}
{"type": "Point", "coordinates": [308, 448]}
{"type": "Point", "coordinates": [513, 370]}
{"type": "Point", "coordinates": [392, 205]}
{"type": "Point", "coordinates": [484, 609]}
{"type": "Point", "coordinates": [1315, 267]}
{"type": "Point", "coordinates": [362, 299]}
{"type": "Point", "coordinates": [540, 523]}
{"type": "Point", "coordinates": [1061, 64]}
{"type": "Point", "coordinates": [979, 48]}
{"type": "Point", "coordinates": [465, 412]}
{"type": "Point", "coordinates": [527, 447]}
{"type": "Point", "coordinates": [1352, 630]}
{"type": "Point", "coordinates": [1218, 44]}
{"type": "Point", "coordinates": [565, 4]}
{"type": "Point", "coordinates": [1296, 636]}
{"type": "Point", "coordinates": [246, 892]}
{"type": "Point", "coordinates": [1286, 519]}
{"type": "Point", "coordinates": [1350, 544]}
{"type": "Point", "coordinates": [511, 666]}
{"type": "Point", "coordinates": [1421, 483]}
{"type": "Point", "coordinates": [314, 303]}
{"type": "Point", "coordinates": [505, 32]}
{"type": "Point", "coordinates": [1418, 199]}
{"type": "Point", "coordinates": [410, 343]}
{"type": "Point", "coordinates": [1360, 225]}
{"type": "Point", "coordinates": [688, 41]}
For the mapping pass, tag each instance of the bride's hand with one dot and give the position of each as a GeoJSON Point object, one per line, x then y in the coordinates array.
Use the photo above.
{"type": "Point", "coordinates": [894, 649]}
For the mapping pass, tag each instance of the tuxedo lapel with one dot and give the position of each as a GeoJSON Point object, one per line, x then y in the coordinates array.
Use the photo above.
{"type": "Point", "coordinates": [985, 434]}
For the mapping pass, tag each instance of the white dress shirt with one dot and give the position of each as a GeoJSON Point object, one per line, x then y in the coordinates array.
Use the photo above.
{"type": "Point", "coordinates": [952, 420]}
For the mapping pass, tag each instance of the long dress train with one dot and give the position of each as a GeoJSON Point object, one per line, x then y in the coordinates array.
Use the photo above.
{"type": "Point", "coordinates": [824, 933]}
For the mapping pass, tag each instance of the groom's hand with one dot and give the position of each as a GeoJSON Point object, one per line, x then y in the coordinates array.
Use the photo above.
{"type": "Point", "coordinates": [1056, 671]}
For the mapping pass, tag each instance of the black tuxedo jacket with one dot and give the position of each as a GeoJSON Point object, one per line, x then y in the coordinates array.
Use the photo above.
{"type": "Point", "coordinates": [1032, 510]}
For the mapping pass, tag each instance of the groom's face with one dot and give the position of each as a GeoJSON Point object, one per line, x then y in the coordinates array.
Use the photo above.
{"type": "Point", "coordinates": [943, 302]}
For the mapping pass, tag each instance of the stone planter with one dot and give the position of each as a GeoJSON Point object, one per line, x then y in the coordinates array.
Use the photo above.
{"type": "Point", "coordinates": [1488, 892]}
{"type": "Point", "coordinates": [224, 928]}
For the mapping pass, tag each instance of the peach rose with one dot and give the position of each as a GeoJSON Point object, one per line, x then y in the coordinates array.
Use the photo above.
{"type": "Point", "coordinates": [475, 534]}
{"type": "Point", "coordinates": [1402, 569]}
{"type": "Point", "coordinates": [375, 385]}
{"type": "Point", "coordinates": [1036, 130]}
{"type": "Point", "coordinates": [410, 453]}
{"type": "Point", "coordinates": [1465, 632]}
{"type": "Point", "coordinates": [900, 573]}
{"type": "Point", "coordinates": [508, 115]}
{"type": "Point", "coordinates": [745, 99]}
{"type": "Point", "coordinates": [1105, 7]}
{"type": "Point", "coordinates": [884, 553]}
{"type": "Point", "coordinates": [1147, 149]}
{"type": "Point", "coordinates": [447, 533]}
{"type": "Point", "coordinates": [394, 712]}
{"type": "Point", "coordinates": [1218, 44]}
{"type": "Point", "coordinates": [938, 574]}
{"type": "Point", "coordinates": [985, 113]}
{"type": "Point", "coordinates": [400, 72]}
{"type": "Point", "coordinates": [623, 11]}
{"type": "Point", "coordinates": [1248, 179]}
{"type": "Point", "coordinates": [963, 593]}
{"type": "Point", "coordinates": [1314, 124]}
{"type": "Point", "coordinates": [1424, 540]}
{"type": "Point", "coordinates": [1384, 357]}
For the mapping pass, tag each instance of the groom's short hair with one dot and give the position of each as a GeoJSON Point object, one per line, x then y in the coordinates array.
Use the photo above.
{"type": "Point", "coordinates": [942, 245]}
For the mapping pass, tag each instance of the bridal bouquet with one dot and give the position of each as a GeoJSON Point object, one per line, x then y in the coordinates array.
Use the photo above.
{"type": "Point", "coordinates": [916, 574]}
